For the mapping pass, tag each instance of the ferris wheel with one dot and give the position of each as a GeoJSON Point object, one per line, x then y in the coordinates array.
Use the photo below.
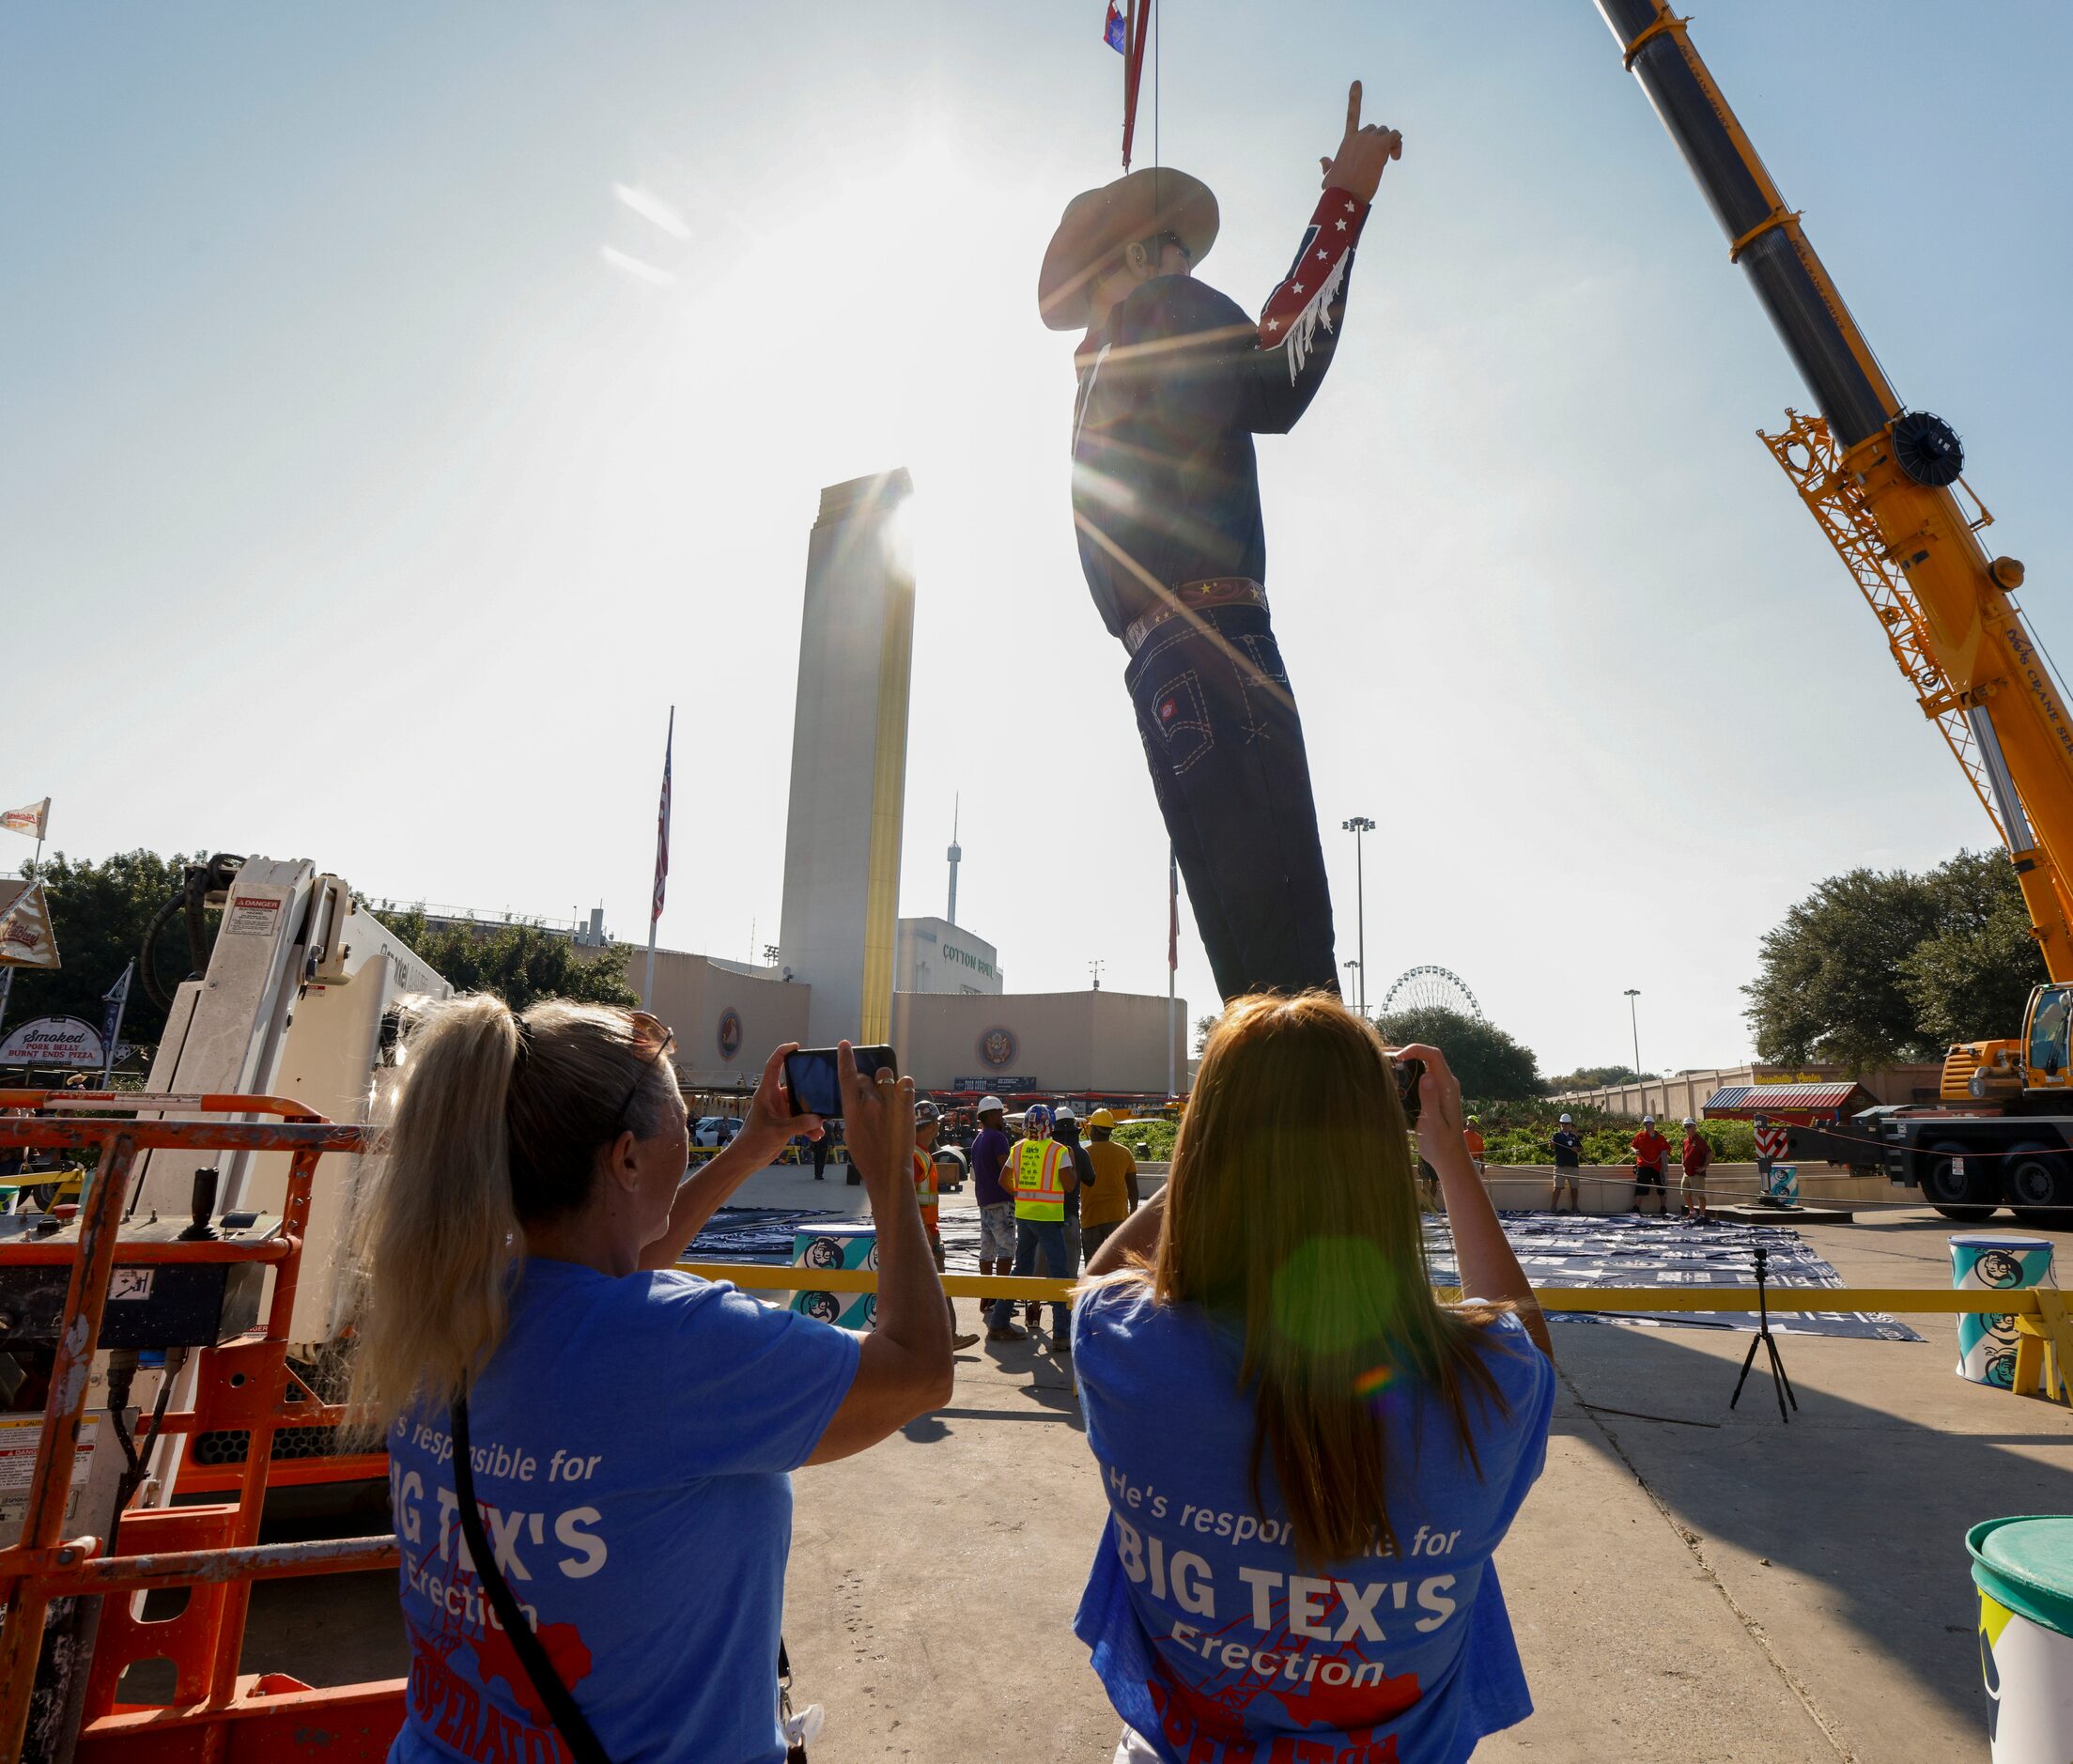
{"type": "Point", "coordinates": [1427, 987]}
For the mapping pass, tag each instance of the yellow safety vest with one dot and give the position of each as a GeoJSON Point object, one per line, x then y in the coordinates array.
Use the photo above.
{"type": "Point", "coordinates": [1040, 1180]}
{"type": "Point", "coordinates": [924, 1179]}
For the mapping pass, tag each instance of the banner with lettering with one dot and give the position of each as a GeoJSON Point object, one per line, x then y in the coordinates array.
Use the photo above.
{"type": "Point", "coordinates": [25, 939]}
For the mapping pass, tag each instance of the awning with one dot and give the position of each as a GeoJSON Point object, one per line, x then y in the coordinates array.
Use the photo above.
{"type": "Point", "coordinates": [1787, 1102]}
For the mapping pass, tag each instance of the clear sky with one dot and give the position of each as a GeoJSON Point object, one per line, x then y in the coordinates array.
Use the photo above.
{"type": "Point", "coordinates": [401, 406]}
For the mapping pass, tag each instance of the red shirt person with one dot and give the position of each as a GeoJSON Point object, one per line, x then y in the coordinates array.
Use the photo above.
{"type": "Point", "coordinates": [1649, 1149]}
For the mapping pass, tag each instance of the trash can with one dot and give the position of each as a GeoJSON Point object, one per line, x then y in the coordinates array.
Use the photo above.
{"type": "Point", "coordinates": [2023, 1569]}
{"type": "Point", "coordinates": [831, 1246]}
{"type": "Point", "coordinates": [1987, 1344]}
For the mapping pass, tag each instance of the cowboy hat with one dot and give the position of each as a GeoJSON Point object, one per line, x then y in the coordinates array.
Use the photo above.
{"type": "Point", "coordinates": [1098, 224]}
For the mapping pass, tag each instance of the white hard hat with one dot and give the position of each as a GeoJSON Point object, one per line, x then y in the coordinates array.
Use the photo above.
{"type": "Point", "coordinates": [1565, 1120]}
{"type": "Point", "coordinates": [1689, 1122]}
{"type": "Point", "coordinates": [992, 1103]}
{"type": "Point", "coordinates": [1648, 1121]}
{"type": "Point", "coordinates": [1064, 1112]}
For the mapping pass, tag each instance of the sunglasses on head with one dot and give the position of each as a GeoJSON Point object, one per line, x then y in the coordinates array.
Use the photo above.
{"type": "Point", "coordinates": [657, 1038]}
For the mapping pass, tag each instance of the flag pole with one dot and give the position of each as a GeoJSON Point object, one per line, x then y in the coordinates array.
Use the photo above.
{"type": "Point", "coordinates": [1173, 955]}
{"type": "Point", "coordinates": [661, 864]}
{"type": "Point", "coordinates": [116, 999]}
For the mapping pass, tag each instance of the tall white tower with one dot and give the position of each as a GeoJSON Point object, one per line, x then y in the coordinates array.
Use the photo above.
{"type": "Point", "coordinates": [957, 856]}
{"type": "Point", "coordinates": [849, 759]}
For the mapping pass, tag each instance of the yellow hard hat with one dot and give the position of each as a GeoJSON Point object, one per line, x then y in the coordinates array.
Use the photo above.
{"type": "Point", "coordinates": [1101, 1118]}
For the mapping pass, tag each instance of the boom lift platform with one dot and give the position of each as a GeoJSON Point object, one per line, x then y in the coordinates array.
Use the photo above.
{"type": "Point", "coordinates": [297, 998]}
{"type": "Point", "coordinates": [72, 1599]}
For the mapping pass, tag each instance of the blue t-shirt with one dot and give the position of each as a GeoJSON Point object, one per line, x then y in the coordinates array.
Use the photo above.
{"type": "Point", "coordinates": [1213, 1641]}
{"type": "Point", "coordinates": [631, 1442]}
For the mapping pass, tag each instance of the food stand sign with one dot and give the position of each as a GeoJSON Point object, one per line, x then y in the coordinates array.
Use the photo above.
{"type": "Point", "coordinates": [52, 1041]}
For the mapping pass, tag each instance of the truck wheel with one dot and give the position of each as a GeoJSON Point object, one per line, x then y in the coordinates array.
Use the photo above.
{"type": "Point", "coordinates": [2039, 1183]}
{"type": "Point", "coordinates": [1967, 1196]}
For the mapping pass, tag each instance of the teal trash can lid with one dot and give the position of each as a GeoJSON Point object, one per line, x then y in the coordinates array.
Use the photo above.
{"type": "Point", "coordinates": [1992, 1240]}
{"type": "Point", "coordinates": [2027, 1565]}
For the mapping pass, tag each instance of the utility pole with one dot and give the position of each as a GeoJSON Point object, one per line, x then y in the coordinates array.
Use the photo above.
{"type": "Point", "coordinates": [1352, 975]}
{"type": "Point", "coordinates": [1360, 823]}
{"type": "Point", "coordinates": [1633, 1022]}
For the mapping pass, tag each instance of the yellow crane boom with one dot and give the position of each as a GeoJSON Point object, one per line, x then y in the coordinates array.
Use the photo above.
{"type": "Point", "coordinates": [1884, 483]}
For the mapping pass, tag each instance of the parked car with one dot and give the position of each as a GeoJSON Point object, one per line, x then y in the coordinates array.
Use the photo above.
{"type": "Point", "coordinates": [715, 1130]}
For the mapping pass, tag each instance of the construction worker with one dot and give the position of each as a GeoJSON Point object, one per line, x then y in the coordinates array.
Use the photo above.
{"type": "Point", "coordinates": [1109, 1196]}
{"type": "Point", "coordinates": [1650, 1148]}
{"type": "Point", "coordinates": [928, 1123]}
{"type": "Point", "coordinates": [1472, 1137]}
{"type": "Point", "coordinates": [997, 1211]}
{"type": "Point", "coordinates": [1698, 1155]}
{"type": "Point", "coordinates": [1065, 1130]}
{"type": "Point", "coordinates": [1569, 1156]}
{"type": "Point", "coordinates": [1039, 1174]}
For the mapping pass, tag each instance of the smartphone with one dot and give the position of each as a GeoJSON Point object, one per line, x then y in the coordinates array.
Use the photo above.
{"type": "Point", "coordinates": [811, 1082]}
{"type": "Point", "coordinates": [1408, 1073]}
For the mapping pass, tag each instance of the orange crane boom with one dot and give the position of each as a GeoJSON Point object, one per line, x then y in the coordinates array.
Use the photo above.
{"type": "Point", "coordinates": [1884, 483]}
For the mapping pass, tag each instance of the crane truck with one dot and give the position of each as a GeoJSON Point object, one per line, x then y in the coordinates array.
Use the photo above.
{"type": "Point", "coordinates": [1885, 484]}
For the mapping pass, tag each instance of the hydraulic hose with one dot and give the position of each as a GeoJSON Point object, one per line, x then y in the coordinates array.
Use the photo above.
{"type": "Point", "coordinates": [191, 898]}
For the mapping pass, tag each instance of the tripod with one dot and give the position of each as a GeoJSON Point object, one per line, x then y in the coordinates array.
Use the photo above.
{"type": "Point", "coordinates": [1769, 1343]}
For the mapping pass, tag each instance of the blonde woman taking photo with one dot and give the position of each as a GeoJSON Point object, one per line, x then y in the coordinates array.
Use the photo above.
{"type": "Point", "coordinates": [1309, 1461]}
{"type": "Point", "coordinates": [630, 1430]}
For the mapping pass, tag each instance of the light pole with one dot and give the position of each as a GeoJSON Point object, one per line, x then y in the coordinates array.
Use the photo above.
{"type": "Point", "coordinates": [1633, 1022]}
{"type": "Point", "coordinates": [1360, 823]}
{"type": "Point", "coordinates": [1353, 973]}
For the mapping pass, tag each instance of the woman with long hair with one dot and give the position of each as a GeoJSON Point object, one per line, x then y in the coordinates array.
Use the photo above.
{"type": "Point", "coordinates": [1309, 1460]}
{"type": "Point", "coordinates": [624, 1431]}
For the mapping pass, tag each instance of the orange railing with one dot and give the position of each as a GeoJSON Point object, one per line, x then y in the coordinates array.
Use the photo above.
{"type": "Point", "coordinates": [244, 1385]}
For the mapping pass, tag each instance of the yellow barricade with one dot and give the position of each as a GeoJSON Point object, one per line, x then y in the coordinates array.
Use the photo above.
{"type": "Point", "coordinates": [2045, 1324]}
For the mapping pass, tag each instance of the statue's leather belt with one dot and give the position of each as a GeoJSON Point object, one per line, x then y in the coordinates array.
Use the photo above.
{"type": "Point", "coordinates": [1219, 590]}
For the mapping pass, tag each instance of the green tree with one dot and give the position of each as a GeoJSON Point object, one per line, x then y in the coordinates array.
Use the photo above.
{"type": "Point", "coordinates": [1593, 1077]}
{"type": "Point", "coordinates": [1972, 978]}
{"type": "Point", "coordinates": [519, 962]}
{"type": "Point", "coordinates": [1829, 986]}
{"type": "Point", "coordinates": [99, 915]}
{"type": "Point", "coordinates": [1488, 1062]}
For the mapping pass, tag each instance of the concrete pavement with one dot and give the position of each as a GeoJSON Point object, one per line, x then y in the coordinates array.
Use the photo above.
{"type": "Point", "coordinates": [1686, 1583]}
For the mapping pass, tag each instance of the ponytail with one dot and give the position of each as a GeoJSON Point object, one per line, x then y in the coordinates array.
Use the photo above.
{"type": "Point", "coordinates": [497, 1121]}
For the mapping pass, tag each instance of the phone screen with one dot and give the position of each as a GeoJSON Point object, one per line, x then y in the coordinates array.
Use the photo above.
{"type": "Point", "coordinates": [809, 1076]}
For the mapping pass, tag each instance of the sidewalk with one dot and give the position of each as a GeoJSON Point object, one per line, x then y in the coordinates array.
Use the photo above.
{"type": "Point", "coordinates": [1687, 1583]}
{"type": "Point", "coordinates": [1729, 1589]}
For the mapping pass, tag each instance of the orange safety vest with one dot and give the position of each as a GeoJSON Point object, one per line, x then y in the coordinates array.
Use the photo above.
{"type": "Point", "coordinates": [924, 1186]}
{"type": "Point", "coordinates": [1040, 1180]}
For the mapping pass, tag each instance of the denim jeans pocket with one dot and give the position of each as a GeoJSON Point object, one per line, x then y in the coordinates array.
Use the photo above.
{"type": "Point", "coordinates": [1265, 656]}
{"type": "Point", "coordinates": [1175, 720]}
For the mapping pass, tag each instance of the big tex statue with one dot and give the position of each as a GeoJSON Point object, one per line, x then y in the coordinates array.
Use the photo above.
{"type": "Point", "coordinates": [1175, 380]}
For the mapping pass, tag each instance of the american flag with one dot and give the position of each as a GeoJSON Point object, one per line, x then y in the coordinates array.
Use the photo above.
{"type": "Point", "coordinates": [662, 828]}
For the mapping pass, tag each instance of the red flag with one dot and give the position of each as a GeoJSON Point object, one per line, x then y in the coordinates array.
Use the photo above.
{"type": "Point", "coordinates": [1173, 909]}
{"type": "Point", "coordinates": [662, 826]}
